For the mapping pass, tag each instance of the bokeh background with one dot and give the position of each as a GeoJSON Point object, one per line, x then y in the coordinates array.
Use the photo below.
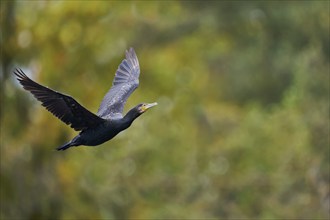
{"type": "Point", "coordinates": [241, 129]}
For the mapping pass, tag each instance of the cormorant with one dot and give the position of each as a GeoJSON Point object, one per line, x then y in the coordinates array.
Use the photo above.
{"type": "Point", "coordinates": [97, 128]}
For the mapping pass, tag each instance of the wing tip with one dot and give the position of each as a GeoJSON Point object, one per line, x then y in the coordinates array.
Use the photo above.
{"type": "Point", "coordinates": [130, 54]}
{"type": "Point", "coordinates": [20, 75]}
{"type": "Point", "coordinates": [130, 50]}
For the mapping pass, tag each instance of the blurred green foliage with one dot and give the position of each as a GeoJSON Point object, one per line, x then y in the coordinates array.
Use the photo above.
{"type": "Point", "coordinates": [241, 129]}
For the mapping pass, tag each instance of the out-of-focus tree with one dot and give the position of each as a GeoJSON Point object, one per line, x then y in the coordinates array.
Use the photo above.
{"type": "Point", "coordinates": [241, 129]}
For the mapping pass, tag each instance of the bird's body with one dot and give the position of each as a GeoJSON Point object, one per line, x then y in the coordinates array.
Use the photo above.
{"type": "Point", "coordinates": [95, 129]}
{"type": "Point", "coordinates": [100, 134]}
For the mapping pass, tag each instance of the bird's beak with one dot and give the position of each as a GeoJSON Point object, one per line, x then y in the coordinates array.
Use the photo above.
{"type": "Point", "coordinates": [147, 106]}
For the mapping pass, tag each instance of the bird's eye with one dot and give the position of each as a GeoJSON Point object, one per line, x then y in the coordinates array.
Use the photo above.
{"type": "Point", "coordinates": [142, 108]}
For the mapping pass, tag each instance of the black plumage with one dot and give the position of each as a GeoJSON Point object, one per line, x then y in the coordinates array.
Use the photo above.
{"type": "Point", "coordinates": [97, 128]}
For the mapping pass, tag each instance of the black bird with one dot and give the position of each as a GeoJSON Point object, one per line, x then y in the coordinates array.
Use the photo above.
{"type": "Point", "coordinates": [97, 128]}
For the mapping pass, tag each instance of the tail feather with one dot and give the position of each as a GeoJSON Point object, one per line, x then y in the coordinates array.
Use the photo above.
{"type": "Point", "coordinates": [64, 146]}
{"type": "Point", "coordinates": [76, 141]}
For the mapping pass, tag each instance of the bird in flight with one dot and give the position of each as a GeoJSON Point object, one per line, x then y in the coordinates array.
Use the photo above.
{"type": "Point", "coordinates": [98, 128]}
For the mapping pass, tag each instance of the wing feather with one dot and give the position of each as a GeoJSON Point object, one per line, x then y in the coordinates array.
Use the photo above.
{"type": "Point", "coordinates": [125, 82]}
{"type": "Point", "coordinates": [62, 106]}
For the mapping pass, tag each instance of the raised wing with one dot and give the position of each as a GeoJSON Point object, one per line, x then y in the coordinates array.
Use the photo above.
{"type": "Point", "coordinates": [125, 82]}
{"type": "Point", "coordinates": [62, 106]}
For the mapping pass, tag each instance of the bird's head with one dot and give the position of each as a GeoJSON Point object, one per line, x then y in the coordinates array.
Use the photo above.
{"type": "Point", "coordinates": [138, 110]}
{"type": "Point", "coordinates": [143, 107]}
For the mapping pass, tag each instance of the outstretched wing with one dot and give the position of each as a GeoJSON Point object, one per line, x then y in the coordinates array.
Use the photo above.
{"type": "Point", "coordinates": [62, 106]}
{"type": "Point", "coordinates": [125, 82]}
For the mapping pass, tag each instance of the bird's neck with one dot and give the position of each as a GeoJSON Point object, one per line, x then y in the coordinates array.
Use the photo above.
{"type": "Point", "coordinates": [130, 116]}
